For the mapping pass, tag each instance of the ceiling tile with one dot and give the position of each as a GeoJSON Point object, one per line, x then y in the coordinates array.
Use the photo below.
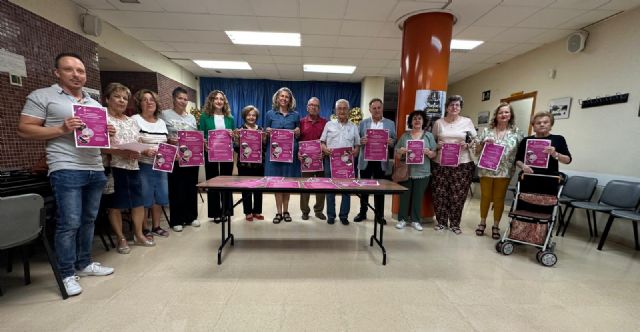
{"type": "Point", "coordinates": [319, 41]}
{"type": "Point", "coordinates": [323, 9]}
{"type": "Point", "coordinates": [291, 60]}
{"type": "Point", "coordinates": [493, 47]}
{"type": "Point", "coordinates": [537, 3]}
{"type": "Point", "coordinates": [380, 54]}
{"type": "Point", "coordinates": [551, 17]}
{"type": "Point", "coordinates": [278, 24]}
{"type": "Point", "coordinates": [480, 32]}
{"type": "Point", "coordinates": [468, 12]}
{"type": "Point", "coordinates": [355, 42]}
{"type": "Point", "coordinates": [390, 29]}
{"type": "Point", "coordinates": [285, 50]}
{"type": "Point", "coordinates": [320, 27]}
{"type": "Point", "coordinates": [517, 35]}
{"type": "Point", "coordinates": [200, 47]}
{"type": "Point", "coordinates": [387, 44]}
{"type": "Point", "coordinates": [405, 7]}
{"type": "Point", "coordinates": [159, 46]}
{"type": "Point", "coordinates": [587, 19]}
{"type": "Point", "coordinates": [373, 63]}
{"type": "Point", "coordinates": [506, 16]}
{"type": "Point", "coordinates": [551, 36]}
{"type": "Point", "coordinates": [254, 59]}
{"type": "Point", "coordinates": [621, 5]}
{"type": "Point", "coordinates": [360, 28]}
{"type": "Point", "coordinates": [377, 10]}
{"type": "Point", "coordinates": [522, 48]}
{"type": "Point", "coordinates": [317, 51]}
{"type": "Point", "coordinates": [578, 4]}
{"type": "Point", "coordinates": [253, 49]}
{"type": "Point", "coordinates": [316, 60]}
{"type": "Point", "coordinates": [276, 8]}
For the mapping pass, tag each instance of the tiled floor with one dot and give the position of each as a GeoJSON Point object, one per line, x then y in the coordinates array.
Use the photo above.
{"type": "Point", "coordinates": [307, 275]}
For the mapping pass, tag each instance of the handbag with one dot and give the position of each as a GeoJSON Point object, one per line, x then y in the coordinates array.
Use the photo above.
{"type": "Point", "coordinates": [401, 170]}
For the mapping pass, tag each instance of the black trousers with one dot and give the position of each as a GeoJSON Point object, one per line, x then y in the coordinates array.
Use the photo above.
{"type": "Point", "coordinates": [372, 171]}
{"type": "Point", "coordinates": [251, 201]}
{"type": "Point", "coordinates": [214, 198]}
{"type": "Point", "coordinates": [183, 195]}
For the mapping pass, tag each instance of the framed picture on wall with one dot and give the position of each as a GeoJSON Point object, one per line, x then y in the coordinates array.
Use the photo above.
{"type": "Point", "coordinates": [560, 107]}
{"type": "Point", "coordinates": [483, 118]}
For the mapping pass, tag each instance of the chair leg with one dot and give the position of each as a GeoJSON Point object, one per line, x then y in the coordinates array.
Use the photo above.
{"type": "Point", "coordinates": [25, 264]}
{"type": "Point", "coordinates": [566, 223]}
{"type": "Point", "coordinates": [53, 261]}
{"type": "Point", "coordinates": [595, 225]}
{"type": "Point", "coordinates": [9, 260]}
{"type": "Point", "coordinates": [561, 213]}
{"type": "Point", "coordinates": [635, 233]}
{"type": "Point", "coordinates": [589, 222]}
{"type": "Point", "coordinates": [605, 233]}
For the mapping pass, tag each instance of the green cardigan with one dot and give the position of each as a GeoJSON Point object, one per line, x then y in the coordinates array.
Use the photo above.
{"type": "Point", "coordinates": [208, 123]}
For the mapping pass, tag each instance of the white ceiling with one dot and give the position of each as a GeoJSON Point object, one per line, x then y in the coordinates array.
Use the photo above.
{"type": "Point", "coordinates": [344, 32]}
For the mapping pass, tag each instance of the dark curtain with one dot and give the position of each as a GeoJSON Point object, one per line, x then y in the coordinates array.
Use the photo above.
{"type": "Point", "coordinates": [243, 92]}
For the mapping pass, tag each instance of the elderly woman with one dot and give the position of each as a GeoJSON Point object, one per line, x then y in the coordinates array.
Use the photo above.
{"type": "Point", "coordinates": [451, 183]}
{"type": "Point", "coordinates": [217, 115]}
{"type": "Point", "coordinates": [155, 189]}
{"type": "Point", "coordinates": [124, 165]}
{"type": "Point", "coordinates": [251, 201]}
{"type": "Point", "coordinates": [494, 184]}
{"type": "Point", "coordinates": [283, 116]}
{"type": "Point", "coordinates": [542, 123]}
{"type": "Point", "coordinates": [419, 173]}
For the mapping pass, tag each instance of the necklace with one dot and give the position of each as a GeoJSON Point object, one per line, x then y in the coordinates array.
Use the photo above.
{"type": "Point", "coordinates": [500, 134]}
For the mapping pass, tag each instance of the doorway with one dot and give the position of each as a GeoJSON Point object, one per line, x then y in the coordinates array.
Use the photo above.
{"type": "Point", "coordinates": [523, 105]}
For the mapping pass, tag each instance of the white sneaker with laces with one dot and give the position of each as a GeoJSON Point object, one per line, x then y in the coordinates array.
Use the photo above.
{"type": "Point", "coordinates": [95, 269]}
{"type": "Point", "coordinates": [417, 226]}
{"type": "Point", "coordinates": [400, 224]}
{"type": "Point", "coordinates": [195, 223]}
{"type": "Point", "coordinates": [177, 228]}
{"type": "Point", "coordinates": [72, 286]}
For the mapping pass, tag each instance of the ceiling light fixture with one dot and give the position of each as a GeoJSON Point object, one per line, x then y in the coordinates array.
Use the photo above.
{"type": "Point", "coordinates": [459, 44]}
{"type": "Point", "coordinates": [333, 69]}
{"type": "Point", "coordinates": [264, 38]}
{"type": "Point", "coordinates": [209, 64]}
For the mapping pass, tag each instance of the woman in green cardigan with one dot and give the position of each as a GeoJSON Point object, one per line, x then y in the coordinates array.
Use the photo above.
{"type": "Point", "coordinates": [217, 115]}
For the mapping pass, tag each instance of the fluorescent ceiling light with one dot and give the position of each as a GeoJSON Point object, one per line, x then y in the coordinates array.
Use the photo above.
{"type": "Point", "coordinates": [458, 44]}
{"type": "Point", "coordinates": [330, 69]}
{"type": "Point", "coordinates": [264, 38]}
{"type": "Point", "coordinates": [241, 65]}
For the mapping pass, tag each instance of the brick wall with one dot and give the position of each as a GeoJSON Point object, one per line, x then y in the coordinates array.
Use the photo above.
{"type": "Point", "coordinates": [39, 41]}
{"type": "Point", "coordinates": [165, 88]}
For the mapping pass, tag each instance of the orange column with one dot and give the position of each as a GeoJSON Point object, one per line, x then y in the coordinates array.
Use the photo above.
{"type": "Point", "coordinates": [426, 41]}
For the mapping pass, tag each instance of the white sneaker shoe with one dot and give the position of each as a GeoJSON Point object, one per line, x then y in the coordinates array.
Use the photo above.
{"type": "Point", "coordinates": [400, 224]}
{"type": "Point", "coordinates": [195, 223]}
{"type": "Point", "coordinates": [95, 269]}
{"type": "Point", "coordinates": [417, 226]}
{"type": "Point", "coordinates": [177, 228]}
{"type": "Point", "coordinates": [72, 286]}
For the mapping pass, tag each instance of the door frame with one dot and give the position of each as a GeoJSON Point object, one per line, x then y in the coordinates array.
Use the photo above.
{"type": "Point", "coordinates": [520, 96]}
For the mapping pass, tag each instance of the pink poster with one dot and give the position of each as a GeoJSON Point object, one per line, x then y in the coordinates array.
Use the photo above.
{"type": "Point", "coordinates": [319, 180]}
{"type": "Point", "coordinates": [311, 154]}
{"type": "Point", "coordinates": [450, 154]}
{"type": "Point", "coordinates": [534, 153]}
{"type": "Point", "coordinates": [341, 162]}
{"type": "Point", "coordinates": [281, 148]}
{"type": "Point", "coordinates": [164, 158]}
{"type": "Point", "coordinates": [415, 152]}
{"type": "Point", "coordinates": [370, 182]}
{"type": "Point", "coordinates": [347, 183]}
{"type": "Point", "coordinates": [93, 133]}
{"type": "Point", "coordinates": [190, 148]}
{"type": "Point", "coordinates": [376, 147]}
{"type": "Point", "coordinates": [319, 185]}
{"type": "Point", "coordinates": [283, 184]}
{"type": "Point", "coordinates": [250, 146]}
{"type": "Point", "coordinates": [491, 156]}
{"type": "Point", "coordinates": [220, 144]}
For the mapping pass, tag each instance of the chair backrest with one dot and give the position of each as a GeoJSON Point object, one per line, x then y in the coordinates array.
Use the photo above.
{"type": "Point", "coordinates": [621, 194]}
{"type": "Point", "coordinates": [540, 184]}
{"type": "Point", "coordinates": [20, 219]}
{"type": "Point", "coordinates": [580, 188]}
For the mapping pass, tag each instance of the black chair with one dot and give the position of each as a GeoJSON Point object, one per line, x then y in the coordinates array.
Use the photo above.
{"type": "Point", "coordinates": [576, 189]}
{"type": "Point", "coordinates": [633, 216]}
{"type": "Point", "coordinates": [617, 195]}
{"type": "Point", "coordinates": [22, 220]}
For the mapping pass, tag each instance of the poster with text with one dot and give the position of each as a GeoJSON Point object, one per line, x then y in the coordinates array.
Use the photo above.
{"type": "Point", "coordinates": [93, 133]}
{"type": "Point", "coordinates": [220, 144]}
{"type": "Point", "coordinates": [281, 149]}
{"type": "Point", "coordinates": [190, 148]}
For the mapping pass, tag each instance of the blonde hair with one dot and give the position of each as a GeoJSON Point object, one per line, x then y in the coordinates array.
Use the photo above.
{"type": "Point", "coordinates": [292, 99]}
{"type": "Point", "coordinates": [494, 119]}
{"type": "Point", "coordinates": [209, 107]}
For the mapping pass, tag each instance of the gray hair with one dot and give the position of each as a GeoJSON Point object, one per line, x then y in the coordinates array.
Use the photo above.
{"type": "Point", "coordinates": [342, 101]}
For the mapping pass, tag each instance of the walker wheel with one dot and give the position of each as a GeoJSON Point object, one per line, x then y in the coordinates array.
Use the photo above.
{"type": "Point", "coordinates": [548, 259]}
{"type": "Point", "coordinates": [499, 246]}
{"type": "Point", "coordinates": [507, 248]}
{"type": "Point", "coordinates": [538, 255]}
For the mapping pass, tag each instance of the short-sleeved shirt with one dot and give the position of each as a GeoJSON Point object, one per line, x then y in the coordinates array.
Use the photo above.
{"type": "Point", "coordinates": [311, 130]}
{"type": "Point", "coordinates": [127, 131]}
{"type": "Point", "coordinates": [454, 132]}
{"type": "Point", "coordinates": [276, 120]}
{"type": "Point", "coordinates": [340, 135]}
{"type": "Point", "coordinates": [175, 121]}
{"type": "Point", "coordinates": [54, 105]}
{"type": "Point", "coordinates": [151, 133]}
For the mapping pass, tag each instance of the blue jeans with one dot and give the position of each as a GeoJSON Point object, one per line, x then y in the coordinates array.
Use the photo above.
{"type": "Point", "coordinates": [155, 186]}
{"type": "Point", "coordinates": [345, 204]}
{"type": "Point", "coordinates": [77, 195]}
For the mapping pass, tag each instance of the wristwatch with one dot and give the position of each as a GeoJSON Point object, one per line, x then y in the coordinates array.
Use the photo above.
{"type": "Point", "coordinates": [556, 155]}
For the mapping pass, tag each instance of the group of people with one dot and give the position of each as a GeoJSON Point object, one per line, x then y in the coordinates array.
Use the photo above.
{"type": "Point", "coordinates": [79, 180]}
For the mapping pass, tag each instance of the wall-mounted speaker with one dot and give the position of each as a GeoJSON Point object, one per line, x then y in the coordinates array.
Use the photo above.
{"type": "Point", "coordinates": [91, 25]}
{"type": "Point", "coordinates": [576, 41]}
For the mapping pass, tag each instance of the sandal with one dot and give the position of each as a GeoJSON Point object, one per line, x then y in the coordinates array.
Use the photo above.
{"type": "Point", "coordinates": [439, 227]}
{"type": "Point", "coordinates": [147, 233]}
{"type": "Point", "coordinates": [123, 246]}
{"type": "Point", "coordinates": [456, 230]}
{"type": "Point", "coordinates": [480, 229]}
{"type": "Point", "coordinates": [287, 217]}
{"type": "Point", "coordinates": [159, 231]}
{"type": "Point", "coordinates": [277, 219]}
{"type": "Point", "coordinates": [495, 232]}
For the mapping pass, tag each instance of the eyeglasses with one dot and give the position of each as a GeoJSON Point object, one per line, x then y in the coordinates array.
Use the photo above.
{"type": "Point", "coordinates": [313, 105]}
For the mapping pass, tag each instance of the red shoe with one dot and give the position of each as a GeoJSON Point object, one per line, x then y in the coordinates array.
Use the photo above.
{"type": "Point", "coordinates": [249, 217]}
{"type": "Point", "coordinates": [258, 216]}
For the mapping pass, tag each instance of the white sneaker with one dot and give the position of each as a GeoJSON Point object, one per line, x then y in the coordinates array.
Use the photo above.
{"type": "Point", "coordinates": [95, 269]}
{"type": "Point", "coordinates": [195, 223]}
{"type": "Point", "coordinates": [416, 225]}
{"type": "Point", "coordinates": [177, 228]}
{"type": "Point", "coordinates": [400, 224]}
{"type": "Point", "coordinates": [72, 286]}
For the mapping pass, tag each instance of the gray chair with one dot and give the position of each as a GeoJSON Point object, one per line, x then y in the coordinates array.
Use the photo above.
{"type": "Point", "coordinates": [22, 220]}
{"type": "Point", "coordinates": [617, 195]}
{"type": "Point", "coordinates": [633, 216]}
{"type": "Point", "coordinates": [576, 189]}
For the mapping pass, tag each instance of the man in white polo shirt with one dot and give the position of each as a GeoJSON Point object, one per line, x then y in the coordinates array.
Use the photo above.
{"type": "Point", "coordinates": [77, 176]}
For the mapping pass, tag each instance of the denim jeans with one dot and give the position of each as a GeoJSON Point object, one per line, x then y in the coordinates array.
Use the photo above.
{"type": "Point", "coordinates": [77, 195]}
{"type": "Point", "coordinates": [345, 204]}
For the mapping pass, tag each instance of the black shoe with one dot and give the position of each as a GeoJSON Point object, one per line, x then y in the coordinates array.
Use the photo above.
{"type": "Point", "coordinates": [305, 216]}
{"type": "Point", "coordinates": [360, 217]}
{"type": "Point", "coordinates": [331, 221]}
{"type": "Point", "coordinates": [321, 216]}
{"type": "Point", "coordinates": [344, 221]}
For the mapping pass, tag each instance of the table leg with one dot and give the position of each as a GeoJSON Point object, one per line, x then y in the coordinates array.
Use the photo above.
{"type": "Point", "coordinates": [379, 240]}
{"type": "Point", "coordinates": [226, 236]}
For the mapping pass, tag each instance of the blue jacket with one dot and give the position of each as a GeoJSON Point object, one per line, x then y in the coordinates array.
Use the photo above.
{"type": "Point", "coordinates": [366, 124]}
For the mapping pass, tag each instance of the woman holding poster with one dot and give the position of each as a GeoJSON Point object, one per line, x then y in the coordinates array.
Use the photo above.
{"type": "Point", "coordinates": [250, 148]}
{"type": "Point", "coordinates": [419, 173]}
{"type": "Point", "coordinates": [217, 115]}
{"type": "Point", "coordinates": [497, 149]}
{"type": "Point", "coordinates": [549, 150]}
{"type": "Point", "coordinates": [452, 174]}
{"type": "Point", "coordinates": [282, 116]}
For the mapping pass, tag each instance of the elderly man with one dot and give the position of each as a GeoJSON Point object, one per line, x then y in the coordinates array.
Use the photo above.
{"type": "Point", "coordinates": [339, 134]}
{"type": "Point", "coordinates": [374, 169]}
{"type": "Point", "coordinates": [77, 176]}
{"type": "Point", "coordinates": [311, 127]}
